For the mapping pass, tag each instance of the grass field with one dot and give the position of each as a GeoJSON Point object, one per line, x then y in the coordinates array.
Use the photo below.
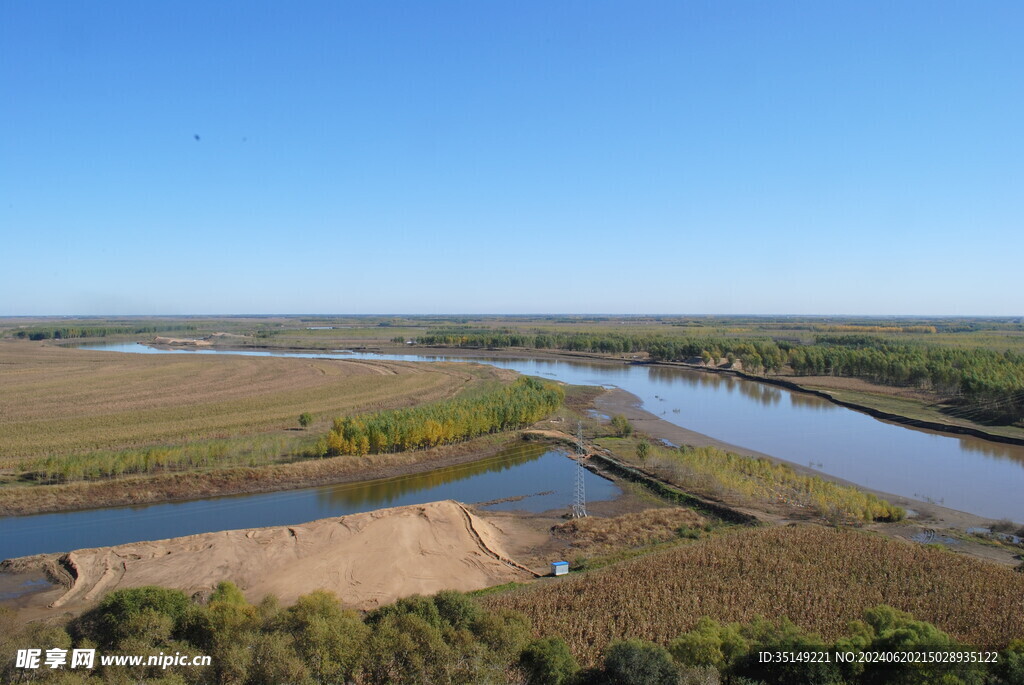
{"type": "Point", "coordinates": [58, 401]}
{"type": "Point", "coordinates": [818, 577]}
{"type": "Point", "coordinates": [744, 481]}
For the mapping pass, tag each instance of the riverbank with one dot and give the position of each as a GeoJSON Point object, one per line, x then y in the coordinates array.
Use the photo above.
{"type": "Point", "coordinates": [923, 516]}
{"type": "Point", "coordinates": [24, 500]}
{"type": "Point", "coordinates": [864, 406]}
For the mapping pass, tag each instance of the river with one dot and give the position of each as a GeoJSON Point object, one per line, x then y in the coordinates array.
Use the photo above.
{"type": "Point", "coordinates": [544, 478]}
{"type": "Point", "coordinates": [960, 472]}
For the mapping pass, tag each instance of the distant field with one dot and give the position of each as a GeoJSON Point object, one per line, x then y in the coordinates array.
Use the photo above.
{"type": "Point", "coordinates": [818, 577]}
{"type": "Point", "coordinates": [59, 401]}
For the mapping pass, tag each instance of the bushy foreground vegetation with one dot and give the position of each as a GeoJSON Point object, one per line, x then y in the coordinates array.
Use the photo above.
{"type": "Point", "coordinates": [714, 472]}
{"type": "Point", "coordinates": [525, 401]}
{"type": "Point", "coordinates": [818, 577]}
{"type": "Point", "coordinates": [992, 382]}
{"type": "Point", "coordinates": [450, 638]}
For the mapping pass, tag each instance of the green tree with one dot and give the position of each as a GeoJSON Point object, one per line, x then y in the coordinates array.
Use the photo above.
{"type": "Point", "coordinates": [548, 661]}
{"type": "Point", "coordinates": [113, 618]}
{"type": "Point", "coordinates": [305, 419]}
{"type": "Point", "coordinates": [636, 662]}
{"type": "Point", "coordinates": [710, 644]}
{"type": "Point", "coordinates": [328, 638]}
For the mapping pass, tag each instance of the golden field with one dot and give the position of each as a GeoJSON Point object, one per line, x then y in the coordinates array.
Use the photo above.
{"type": "Point", "coordinates": [820, 578]}
{"type": "Point", "coordinates": [60, 401]}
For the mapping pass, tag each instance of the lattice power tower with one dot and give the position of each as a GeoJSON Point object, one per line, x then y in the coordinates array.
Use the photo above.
{"type": "Point", "coordinates": [579, 504]}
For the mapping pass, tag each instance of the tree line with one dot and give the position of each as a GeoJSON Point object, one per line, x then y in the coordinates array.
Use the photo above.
{"type": "Point", "coordinates": [518, 404]}
{"type": "Point", "coordinates": [450, 638]}
{"type": "Point", "coordinates": [68, 332]}
{"type": "Point", "coordinates": [989, 383]}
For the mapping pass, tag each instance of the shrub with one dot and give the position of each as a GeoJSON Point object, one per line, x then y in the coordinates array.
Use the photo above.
{"type": "Point", "coordinates": [643, 449]}
{"type": "Point", "coordinates": [623, 428]}
{"type": "Point", "coordinates": [636, 662]}
{"type": "Point", "coordinates": [548, 661]}
{"type": "Point", "coordinates": [118, 612]}
{"type": "Point", "coordinates": [305, 418]}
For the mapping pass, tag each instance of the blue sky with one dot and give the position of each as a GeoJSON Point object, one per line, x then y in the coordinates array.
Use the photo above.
{"type": "Point", "coordinates": [489, 157]}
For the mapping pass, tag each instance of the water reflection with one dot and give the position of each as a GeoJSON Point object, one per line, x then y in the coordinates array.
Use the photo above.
{"type": "Point", "coordinates": [998, 450]}
{"type": "Point", "coordinates": [381, 493]}
{"type": "Point", "coordinates": [965, 473]}
{"type": "Point", "coordinates": [805, 401]}
{"type": "Point", "coordinates": [518, 474]}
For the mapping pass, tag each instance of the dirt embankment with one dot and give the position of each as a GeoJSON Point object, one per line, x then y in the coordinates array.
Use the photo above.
{"type": "Point", "coordinates": [367, 559]}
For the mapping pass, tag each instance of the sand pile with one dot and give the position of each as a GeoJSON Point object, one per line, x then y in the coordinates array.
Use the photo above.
{"type": "Point", "coordinates": [366, 559]}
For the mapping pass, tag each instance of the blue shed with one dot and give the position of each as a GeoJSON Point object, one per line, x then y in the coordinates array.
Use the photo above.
{"type": "Point", "coordinates": [559, 568]}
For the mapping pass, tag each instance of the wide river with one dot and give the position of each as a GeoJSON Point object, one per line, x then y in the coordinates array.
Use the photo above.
{"type": "Point", "coordinates": [959, 472]}
{"type": "Point", "coordinates": [963, 473]}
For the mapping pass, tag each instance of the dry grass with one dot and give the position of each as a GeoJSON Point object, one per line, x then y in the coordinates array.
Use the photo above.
{"type": "Point", "coordinates": [59, 401]}
{"type": "Point", "coordinates": [593, 537]}
{"type": "Point", "coordinates": [818, 577]}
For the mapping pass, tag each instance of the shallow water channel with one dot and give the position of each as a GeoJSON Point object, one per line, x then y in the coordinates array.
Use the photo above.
{"type": "Point", "coordinates": [542, 477]}
{"type": "Point", "coordinates": [964, 473]}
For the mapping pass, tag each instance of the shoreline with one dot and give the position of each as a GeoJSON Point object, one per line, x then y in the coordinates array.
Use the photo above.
{"type": "Point", "coordinates": [889, 417]}
{"type": "Point", "coordinates": [290, 476]}
{"type": "Point", "coordinates": [528, 353]}
{"type": "Point", "coordinates": [297, 475]}
{"type": "Point", "coordinates": [619, 401]}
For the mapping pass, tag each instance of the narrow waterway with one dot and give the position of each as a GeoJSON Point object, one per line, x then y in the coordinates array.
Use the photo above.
{"type": "Point", "coordinates": [543, 478]}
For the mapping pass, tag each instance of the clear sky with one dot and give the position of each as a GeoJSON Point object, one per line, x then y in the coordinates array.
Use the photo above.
{"type": "Point", "coordinates": [511, 157]}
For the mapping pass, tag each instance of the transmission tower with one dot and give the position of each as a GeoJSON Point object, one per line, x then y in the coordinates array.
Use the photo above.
{"type": "Point", "coordinates": [579, 505]}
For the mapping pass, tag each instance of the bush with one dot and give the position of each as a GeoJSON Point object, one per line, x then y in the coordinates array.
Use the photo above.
{"type": "Point", "coordinates": [305, 418]}
{"type": "Point", "coordinates": [113, 619]}
{"type": "Point", "coordinates": [636, 662]}
{"type": "Point", "coordinates": [643, 449]}
{"type": "Point", "coordinates": [1004, 526]}
{"type": "Point", "coordinates": [548, 661]}
{"type": "Point", "coordinates": [623, 428]}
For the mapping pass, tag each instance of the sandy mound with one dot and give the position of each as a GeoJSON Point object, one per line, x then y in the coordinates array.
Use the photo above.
{"type": "Point", "coordinates": [183, 342]}
{"type": "Point", "coordinates": [366, 559]}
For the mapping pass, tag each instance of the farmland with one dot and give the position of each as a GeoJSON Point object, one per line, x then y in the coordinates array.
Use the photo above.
{"type": "Point", "coordinates": [62, 404]}
{"type": "Point", "coordinates": [958, 371]}
{"type": "Point", "coordinates": [819, 578]}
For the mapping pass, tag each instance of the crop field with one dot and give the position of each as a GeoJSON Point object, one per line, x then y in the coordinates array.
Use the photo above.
{"type": "Point", "coordinates": [818, 577]}
{"type": "Point", "coordinates": [59, 401]}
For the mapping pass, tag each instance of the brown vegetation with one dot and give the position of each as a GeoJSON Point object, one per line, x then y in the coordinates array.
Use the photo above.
{"type": "Point", "coordinates": [820, 578]}
{"type": "Point", "coordinates": [593, 536]}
